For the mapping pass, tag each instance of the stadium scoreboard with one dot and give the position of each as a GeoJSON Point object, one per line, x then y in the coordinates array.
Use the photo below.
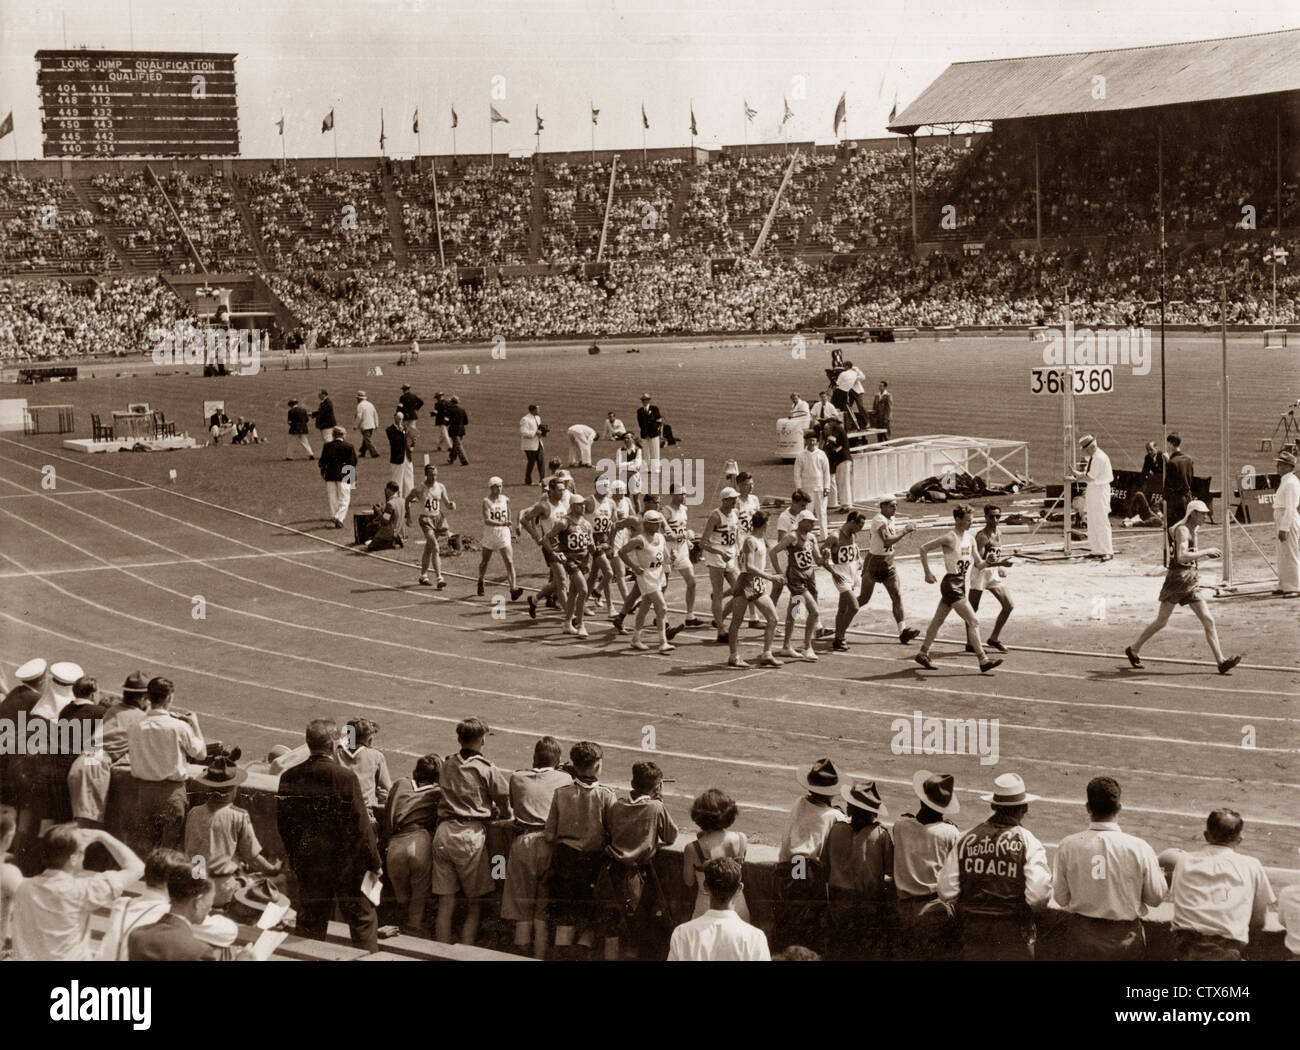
{"type": "Point", "coordinates": [137, 103]}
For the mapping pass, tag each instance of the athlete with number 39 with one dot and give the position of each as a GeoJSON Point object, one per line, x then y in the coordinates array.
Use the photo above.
{"type": "Point", "coordinates": [959, 555]}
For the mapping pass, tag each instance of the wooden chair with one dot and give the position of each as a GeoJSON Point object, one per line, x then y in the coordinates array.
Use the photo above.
{"type": "Point", "coordinates": [98, 431]}
{"type": "Point", "coordinates": [161, 428]}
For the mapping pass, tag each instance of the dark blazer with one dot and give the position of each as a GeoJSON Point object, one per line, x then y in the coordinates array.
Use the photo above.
{"type": "Point", "coordinates": [324, 415]}
{"type": "Point", "coordinates": [399, 445]}
{"type": "Point", "coordinates": [334, 457]}
{"type": "Point", "coordinates": [170, 939]}
{"type": "Point", "coordinates": [21, 698]}
{"type": "Point", "coordinates": [410, 405]}
{"type": "Point", "coordinates": [456, 420]}
{"type": "Point", "coordinates": [440, 413]}
{"type": "Point", "coordinates": [649, 420]}
{"type": "Point", "coordinates": [324, 822]}
{"type": "Point", "coordinates": [1178, 475]}
{"type": "Point", "coordinates": [298, 420]}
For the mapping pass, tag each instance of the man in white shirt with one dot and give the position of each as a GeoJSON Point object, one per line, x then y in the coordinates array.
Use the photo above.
{"type": "Point", "coordinates": [850, 383]}
{"type": "Point", "coordinates": [1106, 880]}
{"type": "Point", "coordinates": [367, 422]}
{"type": "Point", "coordinates": [719, 935]}
{"type": "Point", "coordinates": [799, 409]}
{"type": "Point", "coordinates": [51, 912]}
{"type": "Point", "coordinates": [613, 429]}
{"type": "Point", "coordinates": [997, 877]}
{"type": "Point", "coordinates": [1286, 520]}
{"type": "Point", "coordinates": [161, 747]}
{"type": "Point", "coordinates": [581, 438]}
{"type": "Point", "coordinates": [824, 410]}
{"type": "Point", "coordinates": [1098, 475]}
{"type": "Point", "coordinates": [812, 473]}
{"type": "Point", "coordinates": [1218, 894]}
{"type": "Point", "coordinates": [530, 442]}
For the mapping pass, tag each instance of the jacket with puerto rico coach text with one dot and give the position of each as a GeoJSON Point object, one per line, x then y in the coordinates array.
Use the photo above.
{"type": "Point", "coordinates": [997, 869]}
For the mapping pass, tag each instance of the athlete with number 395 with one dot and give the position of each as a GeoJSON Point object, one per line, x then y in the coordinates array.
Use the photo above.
{"type": "Point", "coordinates": [959, 555]}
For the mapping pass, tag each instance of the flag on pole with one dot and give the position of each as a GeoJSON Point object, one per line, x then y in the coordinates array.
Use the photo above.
{"type": "Point", "coordinates": [595, 115]}
{"type": "Point", "coordinates": [788, 112]}
{"type": "Point", "coordinates": [8, 125]}
{"type": "Point", "coordinates": [454, 119]}
{"type": "Point", "coordinates": [382, 138]}
{"type": "Point", "coordinates": [893, 110]}
{"type": "Point", "coordinates": [694, 130]}
{"type": "Point", "coordinates": [645, 121]}
{"type": "Point", "coordinates": [538, 117]}
{"type": "Point", "coordinates": [280, 124]}
{"type": "Point", "coordinates": [328, 123]}
{"type": "Point", "coordinates": [497, 118]}
{"type": "Point", "coordinates": [750, 114]}
{"type": "Point", "coordinates": [839, 114]}
{"type": "Point", "coordinates": [415, 122]}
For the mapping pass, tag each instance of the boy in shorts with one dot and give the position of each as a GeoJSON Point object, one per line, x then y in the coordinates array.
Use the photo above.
{"type": "Point", "coordinates": [474, 792]}
{"type": "Point", "coordinates": [575, 831]}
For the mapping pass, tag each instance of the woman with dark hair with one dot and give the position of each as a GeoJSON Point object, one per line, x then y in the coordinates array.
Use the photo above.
{"type": "Point", "coordinates": [714, 811]}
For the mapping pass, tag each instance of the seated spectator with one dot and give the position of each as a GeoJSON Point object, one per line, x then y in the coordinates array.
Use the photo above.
{"type": "Point", "coordinates": [52, 911]}
{"type": "Point", "coordinates": [410, 816]}
{"type": "Point", "coordinates": [714, 811]}
{"type": "Point", "coordinates": [357, 753]}
{"type": "Point", "coordinates": [162, 745]}
{"type": "Point", "coordinates": [719, 935]}
{"type": "Point", "coordinates": [637, 827]}
{"type": "Point", "coordinates": [524, 900]}
{"type": "Point", "coordinates": [171, 938]}
{"type": "Point", "coordinates": [222, 834]}
{"type": "Point", "coordinates": [859, 859]}
{"type": "Point", "coordinates": [91, 773]}
{"type": "Point", "coordinates": [10, 876]}
{"type": "Point", "coordinates": [389, 520]}
{"type": "Point", "coordinates": [1218, 894]}
{"type": "Point", "coordinates": [245, 433]}
{"type": "Point", "coordinates": [1288, 914]}
{"type": "Point", "coordinates": [576, 832]}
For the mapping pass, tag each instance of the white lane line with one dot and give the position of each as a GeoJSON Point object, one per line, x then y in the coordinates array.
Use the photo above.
{"type": "Point", "coordinates": [13, 575]}
{"type": "Point", "coordinates": [72, 492]}
{"type": "Point", "coordinates": [534, 733]}
{"type": "Point", "coordinates": [733, 681]}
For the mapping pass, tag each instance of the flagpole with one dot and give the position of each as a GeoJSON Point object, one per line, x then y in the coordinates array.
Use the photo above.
{"type": "Point", "coordinates": [284, 154]}
{"type": "Point", "coordinates": [643, 161]}
{"type": "Point", "coordinates": [437, 213]}
{"type": "Point", "coordinates": [744, 119]}
{"type": "Point", "coordinates": [593, 131]}
{"type": "Point", "coordinates": [492, 148]}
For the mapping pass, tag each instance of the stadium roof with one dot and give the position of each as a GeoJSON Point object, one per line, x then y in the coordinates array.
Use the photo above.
{"type": "Point", "coordinates": [1136, 77]}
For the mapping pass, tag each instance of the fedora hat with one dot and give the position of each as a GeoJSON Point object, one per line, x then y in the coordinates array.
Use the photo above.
{"type": "Point", "coordinates": [135, 685]}
{"type": "Point", "coordinates": [256, 895]}
{"type": "Point", "coordinates": [822, 778]}
{"type": "Point", "coordinates": [1008, 791]}
{"type": "Point", "coordinates": [1286, 456]}
{"type": "Point", "coordinates": [864, 795]}
{"type": "Point", "coordinates": [222, 773]}
{"type": "Point", "coordinates": [935, 790]}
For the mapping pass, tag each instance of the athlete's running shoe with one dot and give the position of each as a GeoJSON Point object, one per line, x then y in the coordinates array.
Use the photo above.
{"type": "Point", "coordinates": [993, 644]}
{"type": "Point", "coordinates": [810, 655]}
{"type": "Point", "coordinates": [840, 645]}
{"type": "Point", "coordinates": [825, 632]}
{"type": "Point", "coordinates": [441, 584]}
{"type": "Point", "coordinates": [988, 665]}
{"type": "Point", "coordinates": [480, 588]}
{"type": "Point", "coordinates": [515, 593]}
{"type": "Point", "coordinates": [570, 628]}
{"type": "Point", "coordinates": [532, 607]}
{"type": "Point", "coordinates": [788, 653]}
{"type": "Point", "coordinates": [768, 660]}
{"type": "Point", "coordinates": [1133, 658]}
{"type": "Point", "coordinates": [736, 661]}
{"type": "Point", "coordinates": [722, 638]}
{"type": "Point", "coordinates": [582, 630]}
{"type": "Point", "coordinates": [1229, 664]}
{"type": "Point", "coordinates": [618, 623]}
{"type": "Point", "coordinates": [550, 601]}
{"type": "Point", "coordinates": [694, 621]}
{"type": "Point", "coordinates": [640, 647]}
{"type": "Point", "coordinates": [672, 632]}
{"type": "Point", "coordinates": [424, 581]}
{"type": "Point", "coordinates": [908, 634]}
{"type": "Point", "coordinates": [666, 648]}
{"type": "Point", "coordinates": [924, 660]}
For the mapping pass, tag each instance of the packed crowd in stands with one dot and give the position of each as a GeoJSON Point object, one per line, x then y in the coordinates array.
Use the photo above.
{"type": "Point", "coordinates": [485, 211]}
{"type": "Point", "coordinates": [580, 879]}
{"type": "Point", "coordinates": [51, 319]}
{"type": "Point", "coordinates": [44, 230]}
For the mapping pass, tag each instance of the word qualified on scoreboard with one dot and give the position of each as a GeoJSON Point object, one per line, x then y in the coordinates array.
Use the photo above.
{"type": "Point", "coordinates": [1087, 379]}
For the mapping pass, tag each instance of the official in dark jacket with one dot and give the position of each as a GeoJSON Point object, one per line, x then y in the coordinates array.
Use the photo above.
{"type": "Point", "coordinates": [1178, 480]}
{"type": "Point", "coordinates": [456, 422]}
{"type": "Point", "coordinates": [329, 838]}
{"type": "Point", "coordinates": [298, 428]}
{"type": "Point", "coordinates": [324, 416]}
{"type": "Point", "coordinates": [338, 466]}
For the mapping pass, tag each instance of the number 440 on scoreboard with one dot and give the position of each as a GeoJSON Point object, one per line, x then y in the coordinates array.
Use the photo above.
{"type": "Point", "coordinates": [1087, 379]}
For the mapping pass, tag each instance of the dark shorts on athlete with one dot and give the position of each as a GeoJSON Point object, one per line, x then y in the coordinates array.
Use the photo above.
{"type": "Point", "coordinates": [1180, 587]}
{"type": "Point", "coordinates": [952, 588]}
{"type": "Point", "coordinates": [880, 569]}
{"type": "Point", "coordinates": [800, 584]}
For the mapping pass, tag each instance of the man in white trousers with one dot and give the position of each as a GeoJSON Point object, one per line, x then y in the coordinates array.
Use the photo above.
{"type": "Point", "coordinates": [581, 438]}
{"type": "Point", "coordinates": [1098, 475]}
{"type": "Point", "coordinates": [1286, 518]}
{"type": "Point", "coordinates": [338, 469]}
{"type": "Point", "coordinates": [812, 473]}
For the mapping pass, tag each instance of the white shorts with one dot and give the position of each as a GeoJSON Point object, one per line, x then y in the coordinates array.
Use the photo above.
{"type": "Point", "coordinates": [681, 557]}
{"type": "Point", "coordinates": [496, 538]}
{"type": "Point", "coordinates": [717, 561]}
{"type": "Point", "coordinates": [985, 579]}
{"type": "Point", "coordinates": [436, 524]}
{"type": "Point", "coordinates": [845, 584]}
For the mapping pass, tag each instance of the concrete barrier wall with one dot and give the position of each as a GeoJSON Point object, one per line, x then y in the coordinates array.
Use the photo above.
{"type": "Point", "coordinates": [257, 795]}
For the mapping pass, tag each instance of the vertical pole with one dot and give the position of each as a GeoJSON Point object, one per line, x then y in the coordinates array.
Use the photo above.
{"type": "Point", "coordinates": [643, 159]}
{"type": "Point", "coordinates": [1225, 482]}
{"type": "Point", "coordinates": [912, 138]}
{"type": "Point", "coordinates": [334, 134]}
{"type": "Point", "coordinates": [1038, 198]}
{"type": "Point", "coordinates": [609, 203]}
{"type": "Point", "coordinates": [284, 150]}
{"type": "Point", "coordinates": [1067, 415]}
{"type": "Point", "coordinates": [492, 148]}
{"type": "Point", "coordinates": [593, 131]}
{"type": "Point", "coordinates": [437, 214]}
{"type": "Point", "coordinates": [1164, 417]}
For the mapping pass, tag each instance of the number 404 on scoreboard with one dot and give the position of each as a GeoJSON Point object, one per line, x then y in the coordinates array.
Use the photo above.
{"type": "Point", "coordinates": [1086, 379]}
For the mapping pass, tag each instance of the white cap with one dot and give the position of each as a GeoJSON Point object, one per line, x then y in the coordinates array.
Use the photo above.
{"type": "Point", "coordinates": [31, 670]}
{"type": "Point", "coordinates": [806, 515]}
{"type": "Point", "coordinates": [495, 481]}
{"type": "Point", "coordinates": [619, 488]}
{"type": "Point", "coordinates": [66, 672]}
{"type": "Point", "coordinates": [652, 517]}
{"type": "Point", "coordinates": [1197, 505]}
{"type": "Point", "coordinates": [729, 493]}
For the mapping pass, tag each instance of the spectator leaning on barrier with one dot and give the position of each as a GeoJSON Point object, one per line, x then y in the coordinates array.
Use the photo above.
{"type": "Point", "coordinates": [719, 935]}
{"type": "Point", "coordinates": [859, 859]}
{"type": "Point", "coordinates": [576, 832]}
{"type": "Point", "coordinates": [90, 777]}
{"type": "Point", "coordinates": [1218, 894]}
{"type": "Point", "coordinates": [411, 816]}
{"type": "Point", "coordinates": [358, 754]}
{"type": "Point", "coordinates": [922, 841]}
{"type": "Point", "coordinates": [800, 876]}
{"type": "Point", "coordinates": [162, 746]}
{"type": "Point", "coordinates": [1106, 879]}
{"type": "Point", "coordinates": [222, 833]}
{"type": "Point", "coordinates": [52, 911]}
{"type": "Point", "coordinates": [998, 878]}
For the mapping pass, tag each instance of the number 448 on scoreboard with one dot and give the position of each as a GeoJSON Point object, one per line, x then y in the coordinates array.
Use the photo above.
{"type": "Point", "coordinates": [1087, 379]}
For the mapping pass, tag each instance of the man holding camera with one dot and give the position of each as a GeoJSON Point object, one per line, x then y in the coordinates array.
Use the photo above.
{"type": "Point", "coordinates": [161, 746]}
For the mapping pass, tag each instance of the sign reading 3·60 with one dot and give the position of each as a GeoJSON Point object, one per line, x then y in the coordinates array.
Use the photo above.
{"type": "Point", "coordinates": [1087, 379]}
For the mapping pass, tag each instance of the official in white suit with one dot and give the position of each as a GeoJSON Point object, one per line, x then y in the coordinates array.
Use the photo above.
{"type": "Point", "coordinates": [1098, 475]}
{"type": "Point", "coordinates": [1286, 519]}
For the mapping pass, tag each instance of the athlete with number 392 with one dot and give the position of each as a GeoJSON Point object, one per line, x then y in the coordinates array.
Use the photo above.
{"type": "Point", "coordinates": [959, 555]}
